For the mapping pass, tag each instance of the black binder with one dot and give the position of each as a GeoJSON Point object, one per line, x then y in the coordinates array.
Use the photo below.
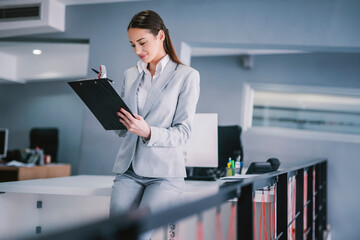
{"type": "Point", "coordinates": [102, 100]}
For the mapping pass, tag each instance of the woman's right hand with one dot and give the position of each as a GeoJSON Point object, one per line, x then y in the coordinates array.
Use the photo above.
{"type": "Point", "coordinates": [99, 74]}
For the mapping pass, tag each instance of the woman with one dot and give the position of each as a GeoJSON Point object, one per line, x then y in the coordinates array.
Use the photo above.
{"type": "Point", "coordinates": [162, 94]}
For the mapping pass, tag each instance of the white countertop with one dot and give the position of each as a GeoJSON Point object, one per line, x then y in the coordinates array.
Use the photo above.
{"type": "Point", "coordinates": [73, 185]}
{"type": "Point", "coordinates": [93, 185]}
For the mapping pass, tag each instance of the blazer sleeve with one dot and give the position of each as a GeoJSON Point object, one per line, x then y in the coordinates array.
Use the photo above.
{"type": "Point", "coordinates": [180, 130]}
{"type": "Point", "coordinates": [122, 132]}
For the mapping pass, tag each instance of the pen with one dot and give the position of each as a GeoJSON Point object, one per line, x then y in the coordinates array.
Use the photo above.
{"type": "Point", "coordinates": [97, 72]}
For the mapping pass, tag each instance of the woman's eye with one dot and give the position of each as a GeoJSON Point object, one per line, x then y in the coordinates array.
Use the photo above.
{"type": "Point", "coordinates": [142, 43]}
{"type": "Point", "coordinates": [132, 45]}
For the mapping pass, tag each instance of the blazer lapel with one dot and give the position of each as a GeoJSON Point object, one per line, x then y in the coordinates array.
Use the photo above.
{"type": "Point", "coordinates": [132, 93]}
{"type": "Point", "coordinates": [158, 85]}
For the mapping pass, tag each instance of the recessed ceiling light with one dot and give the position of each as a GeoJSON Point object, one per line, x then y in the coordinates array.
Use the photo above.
{"type": "Point", "coordinates": [36, 51]}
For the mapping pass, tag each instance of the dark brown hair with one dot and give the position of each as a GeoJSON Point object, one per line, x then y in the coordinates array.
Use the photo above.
{"type": "Point", "coordinates": [151, 20]}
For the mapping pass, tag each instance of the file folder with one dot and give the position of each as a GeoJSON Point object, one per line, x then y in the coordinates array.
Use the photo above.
{"type": "Point", "coordinates": [102, 100]}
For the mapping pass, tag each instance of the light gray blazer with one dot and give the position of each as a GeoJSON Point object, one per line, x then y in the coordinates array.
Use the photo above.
{"type": "Point", "coordinates": [169, 110]}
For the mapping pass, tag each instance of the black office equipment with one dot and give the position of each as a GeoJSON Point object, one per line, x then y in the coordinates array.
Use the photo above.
{"type": "Point", "coordinates": [3, 142]}
{"type": "Point", "coordinates": [229, 145]}
{"type": "Point", "coordinates": [15, 154]}
{"type": "Point", "coordinates": [102, 100]}
{"type": "Point", "coordinates": [272, 164]}
{"type": "Point", "coordinates": [201, 174]}
{"type": "Point", "coordinates": [46, 139]}
{"type": "Point", "coordinates": [275, 163]}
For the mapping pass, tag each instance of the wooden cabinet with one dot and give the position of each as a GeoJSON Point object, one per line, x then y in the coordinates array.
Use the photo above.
{"type": "Point", "coordinates": [26, 173]}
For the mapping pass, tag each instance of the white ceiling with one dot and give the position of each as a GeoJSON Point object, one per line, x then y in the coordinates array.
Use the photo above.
{"type": "Point", "coordinates": [24, 49]}
{"type": "Point", "coordinates": [58, 61]}
{"type": "Point", "coordinates": [68, 60]}
{"type": "Point", "coordinates": [51, 17]}
{"type": "Point", "coordinates": [78, 2]}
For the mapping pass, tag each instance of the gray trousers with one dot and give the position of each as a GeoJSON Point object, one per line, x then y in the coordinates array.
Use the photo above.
{"type": "Point", "coordinates": [131, 191]}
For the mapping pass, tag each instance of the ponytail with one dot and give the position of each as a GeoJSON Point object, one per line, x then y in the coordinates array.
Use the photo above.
{"type": "Point", "coordinates": [169, 49]}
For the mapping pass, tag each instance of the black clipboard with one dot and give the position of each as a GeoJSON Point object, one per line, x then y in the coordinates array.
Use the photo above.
{"type": "Point", "coordinates": [102, 100]}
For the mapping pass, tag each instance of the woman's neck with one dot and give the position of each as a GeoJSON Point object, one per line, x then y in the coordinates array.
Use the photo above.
{"type": "Point", "coordinates": [152, 65]}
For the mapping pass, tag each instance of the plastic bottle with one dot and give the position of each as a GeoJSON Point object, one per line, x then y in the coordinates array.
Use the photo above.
{"type": "Point", "coordinates": [238, 164]}
{"type": "Point", "coordinates": [229, 168]}
{"type": "Point", "coordinates": [237, 167]}
{"type": "Point", "coordinates": [40, 153]}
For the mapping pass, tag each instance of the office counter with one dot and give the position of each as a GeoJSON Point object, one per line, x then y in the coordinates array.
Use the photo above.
{"type": "Point", "coordinates": [43, 205]}
{"type": "Point", "coordinates": [296, 194]}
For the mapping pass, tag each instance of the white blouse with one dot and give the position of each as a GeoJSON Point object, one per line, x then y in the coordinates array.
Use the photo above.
{"type": "Point", "coordinates": [146, 81]}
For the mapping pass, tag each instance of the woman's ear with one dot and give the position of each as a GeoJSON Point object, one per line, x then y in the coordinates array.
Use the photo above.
{"type": "Point", "coordinates": [161, 35]}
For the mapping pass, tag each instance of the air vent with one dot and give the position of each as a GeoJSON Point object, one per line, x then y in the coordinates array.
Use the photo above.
{"type": "Point", "coordinates": [24, 17]}
{"type": "Point", "coordinates": [19, 12]}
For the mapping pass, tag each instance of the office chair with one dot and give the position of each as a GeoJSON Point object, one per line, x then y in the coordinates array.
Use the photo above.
{"type": "Point", "coordinates": [46, 139]}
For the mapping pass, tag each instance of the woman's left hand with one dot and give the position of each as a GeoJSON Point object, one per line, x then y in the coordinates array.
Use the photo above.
{"type": "Point", "coordinates": [135, 125]}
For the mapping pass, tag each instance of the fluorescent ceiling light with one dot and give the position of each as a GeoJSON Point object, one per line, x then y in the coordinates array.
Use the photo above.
{"type": "Point", "coordinates": [36, 51]}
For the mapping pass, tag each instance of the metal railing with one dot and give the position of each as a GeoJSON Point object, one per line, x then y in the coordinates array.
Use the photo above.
{"type": "Point", "coordinates": [131, 225]}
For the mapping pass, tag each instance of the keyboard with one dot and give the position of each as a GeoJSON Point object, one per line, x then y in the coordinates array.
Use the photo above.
{"type": "Point", "coordinates": [201, 178]}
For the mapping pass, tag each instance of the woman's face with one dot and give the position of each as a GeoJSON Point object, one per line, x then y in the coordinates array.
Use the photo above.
{"type": "Point", "coordinates": [148, 47]}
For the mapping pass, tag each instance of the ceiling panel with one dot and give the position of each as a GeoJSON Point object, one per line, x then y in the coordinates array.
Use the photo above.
{"type": "Point", "coordinates": [57, 61]}
{"type": "Point", "coordinates": [78, 2]}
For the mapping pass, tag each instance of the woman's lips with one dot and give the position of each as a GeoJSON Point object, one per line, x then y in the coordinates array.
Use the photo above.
{"type": "Point", "coordinates": [142, 56]}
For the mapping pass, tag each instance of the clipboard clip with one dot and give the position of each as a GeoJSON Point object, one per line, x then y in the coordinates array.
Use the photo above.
{"type": "Point", "coordinates": [97, 72]}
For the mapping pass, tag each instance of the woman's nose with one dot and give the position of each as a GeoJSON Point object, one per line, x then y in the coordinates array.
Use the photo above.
{"type": "Point", "coordinates": [137, 50]}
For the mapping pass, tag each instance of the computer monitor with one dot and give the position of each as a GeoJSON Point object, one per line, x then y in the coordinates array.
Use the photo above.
{"type": "Point", "coordinates": [202, 148]}
{"type": "Point", "coordinates": [3, 142]}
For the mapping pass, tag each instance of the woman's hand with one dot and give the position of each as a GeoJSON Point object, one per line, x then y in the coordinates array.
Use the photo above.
{"type": "Point", "coordinates": [135, 125]}
{"type": "Point", "coordinates": [99, 74]}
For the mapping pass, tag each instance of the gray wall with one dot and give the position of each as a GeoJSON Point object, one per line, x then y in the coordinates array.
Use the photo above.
{"type": "Point", "coordinates": [50, 104]}
{"type": "Point", "coordinates": [308, 23]}
{"type": "Point", "coordinates": [331, 70]}
{"type": "Point", "coordinates": [222, 77]}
